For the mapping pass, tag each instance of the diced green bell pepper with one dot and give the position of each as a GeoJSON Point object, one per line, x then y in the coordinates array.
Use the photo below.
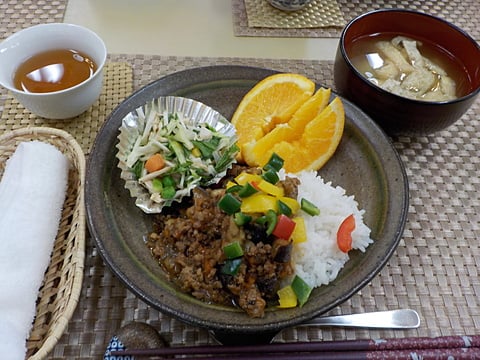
{"type": "Point", "coordinates": [233, 250]}
{"type": "Point", "coordinates": [229, 204]}
{"type": "Point", "coordinates": [301, 289]}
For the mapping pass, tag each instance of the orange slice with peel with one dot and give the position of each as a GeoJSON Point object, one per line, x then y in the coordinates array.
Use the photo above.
{"type": "Point", "coordinates": [257, 152]}
{"type": "Point", "coordinates": [271, 102]}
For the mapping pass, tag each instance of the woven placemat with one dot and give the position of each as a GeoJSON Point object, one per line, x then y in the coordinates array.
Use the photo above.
{"type": "Point", "coordinates": [463, 13]}
{"type": "Point", "coordinates": [117, 86]}
{"type": "Point", "coordinates": [317, 14]}
{"type": "Point", "coordinates": [19, 14]}
{"type": "Point", "coordinates": [434, 269]}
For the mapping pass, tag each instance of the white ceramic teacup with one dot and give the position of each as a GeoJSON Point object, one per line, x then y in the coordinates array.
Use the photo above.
{"type": "Point", "coordinates": [24, 44]}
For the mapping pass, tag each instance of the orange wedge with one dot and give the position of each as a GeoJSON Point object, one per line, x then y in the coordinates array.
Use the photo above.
{"type": "Point", "coordinates": [257, 152]}
{"type": "Point", "coordinates": [269, 103]}
{"type": "Point", "coordinates": [318, 142]}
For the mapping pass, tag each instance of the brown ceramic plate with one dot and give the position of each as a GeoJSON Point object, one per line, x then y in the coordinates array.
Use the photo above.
{"type": "Point", "coordinates": [365, 164]}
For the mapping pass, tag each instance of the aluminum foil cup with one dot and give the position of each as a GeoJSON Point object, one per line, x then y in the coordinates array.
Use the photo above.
{"type": "Point", "coordinates": [133, 125]}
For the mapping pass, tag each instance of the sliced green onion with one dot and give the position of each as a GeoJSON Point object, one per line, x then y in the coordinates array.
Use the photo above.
{"type": "Point", "coordinates": [234, 189]}
{"type": "Point", "coordinates": [271, 221]}
{"type": "Point", "coordinates": [241, 218]}
{"type": "Point", "coordinates": [231, 266]}
{"type": "Point", "coordinates": [309, 207]}
{"type": "Point", "coordinates": [233, 250]}
{"type": "Point", "coordinates": [284, 208]}
{"type": "Point", "coordinates": [247, 190]}
{"type": "Point", "coordinates": [229, 204]}
{"type": "Point", "coordinates": [274, 163]}
{"type": "Point", "coordinates": [271, 176]}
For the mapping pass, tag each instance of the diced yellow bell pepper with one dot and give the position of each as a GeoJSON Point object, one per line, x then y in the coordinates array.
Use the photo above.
{"type": "Point", "coordinates": [299, 234]}
{"type": "Point", "coordinates": [244, 177]}
{"type": "Point", "coordinates": [270, 189]}
{"type": "Point", "coordinates": [291, 203]}
{"type": "Point", "coordinates": [287, 297]}
{"type": "Point", "coordinates": [258, 203]}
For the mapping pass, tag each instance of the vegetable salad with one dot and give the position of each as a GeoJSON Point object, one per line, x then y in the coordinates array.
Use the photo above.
{"type": "Point", "coordinates": [173, 154]}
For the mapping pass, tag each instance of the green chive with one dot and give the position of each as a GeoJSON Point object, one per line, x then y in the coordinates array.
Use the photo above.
{"type": "Point", "coordinates": [275, 163]}
{"type": "Point", "coordinates": [284, 208]}
{"type": "Point", "coordinates": [247, 190]}
{"type": "Point", "coordinates": [271, 221]}
{"type": "Point", "coordinates": [271, 176]}
{"type": "Point", "coordinates": [309, 207]}
{"type": "Point", "coordinates": [241, 218]}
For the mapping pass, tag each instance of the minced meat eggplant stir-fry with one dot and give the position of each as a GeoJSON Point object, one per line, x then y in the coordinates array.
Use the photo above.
{"type": "Point", "coordinates": [217, 249]}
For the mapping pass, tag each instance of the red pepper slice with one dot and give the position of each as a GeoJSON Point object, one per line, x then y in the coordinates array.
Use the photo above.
{"type": "Point", "coordinates": [344, 234]}
{"type": "Point", "coordinates": [284, 227]}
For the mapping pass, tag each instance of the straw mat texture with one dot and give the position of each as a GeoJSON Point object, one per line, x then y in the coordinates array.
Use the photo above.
{"type": "Point", "coordinates": [20, 14]}
{"type": "Point", "coordinates": [60, 291]}
{"type": "Point", "coordinates": [463, 13]}
{"type": "Point", "coordinates": [317, 14]}
{"type": "Point", "coordinates": [434, 270]}
{"type": "Point", "coordinates": [116, 87]}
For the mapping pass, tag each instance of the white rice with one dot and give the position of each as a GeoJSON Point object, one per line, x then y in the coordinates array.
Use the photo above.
{"type": "Point", "coordinates": [318, 260]}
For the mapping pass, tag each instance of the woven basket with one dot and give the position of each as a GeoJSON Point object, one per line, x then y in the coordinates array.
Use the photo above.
{"type": "Point", "coordinates": [60, 291]}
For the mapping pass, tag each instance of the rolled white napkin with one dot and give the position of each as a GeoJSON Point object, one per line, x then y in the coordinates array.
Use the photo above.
{"type": "Point", "coordinates": [32, 193]}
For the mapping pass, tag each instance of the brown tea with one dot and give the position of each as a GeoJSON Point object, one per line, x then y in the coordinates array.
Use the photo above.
{"type": "Point", "coordinates": [54, 70]}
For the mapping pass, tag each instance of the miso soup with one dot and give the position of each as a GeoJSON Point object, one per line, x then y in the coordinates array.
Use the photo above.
{"type": "Point", "coordinates": [409, 67]}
